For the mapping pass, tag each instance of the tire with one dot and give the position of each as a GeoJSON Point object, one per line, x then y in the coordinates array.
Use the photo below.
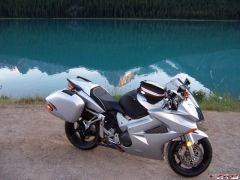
{"type": "Point", "coordinates": [194, 171]}
{"type": "Point", "coordinates": [76, 134]}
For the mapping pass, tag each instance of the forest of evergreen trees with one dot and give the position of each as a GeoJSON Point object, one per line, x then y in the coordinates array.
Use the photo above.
{"type": "Point", "coordinates": [181, 9]}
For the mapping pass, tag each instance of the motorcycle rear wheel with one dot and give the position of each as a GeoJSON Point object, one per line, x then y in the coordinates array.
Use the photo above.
{"type": "Point", "coordinates": [177, 165]}
{"type": "Point", "coordinates": [81, 138]}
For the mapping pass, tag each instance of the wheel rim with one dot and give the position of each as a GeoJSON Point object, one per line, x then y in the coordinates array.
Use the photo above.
{"type": "Point", "coordinates": [197, 166]}
{"type": "Point", "coordinates": [81, 136]}
{"type": "Point", "coordinates": [183, 158]}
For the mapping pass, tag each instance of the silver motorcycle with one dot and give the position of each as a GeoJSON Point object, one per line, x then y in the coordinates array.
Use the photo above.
{"type": "Point", "coordinates": [151, 121]}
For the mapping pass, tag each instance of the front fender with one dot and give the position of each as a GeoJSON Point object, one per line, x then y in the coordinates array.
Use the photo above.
{"type": "Point", "coordinates": [198, 134]}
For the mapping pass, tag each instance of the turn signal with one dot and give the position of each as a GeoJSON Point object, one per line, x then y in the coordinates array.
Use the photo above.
{"type": "Point", "coordinates": [49, 107]}
{"type": "Point", "coordinates": [191, 130]}
{"type": "Point", "coordinates": [185, 95]}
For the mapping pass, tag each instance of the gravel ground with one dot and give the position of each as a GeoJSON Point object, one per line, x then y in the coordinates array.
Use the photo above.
{"type": "Point", "coordinates": [33, 146]}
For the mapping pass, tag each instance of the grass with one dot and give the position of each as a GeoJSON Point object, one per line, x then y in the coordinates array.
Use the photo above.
{"type": "Point", "coordinates": [217, 102]}
{"type": "Point", "coordinates": [117, 97]}
{"type": "Point", "coordinates": [207, 102]}
{"type": "Point", "coordinates": [5, 100]}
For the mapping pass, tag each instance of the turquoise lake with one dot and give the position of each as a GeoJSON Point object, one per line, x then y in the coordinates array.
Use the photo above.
{"type": "Point", "coordinates": [36, 56]}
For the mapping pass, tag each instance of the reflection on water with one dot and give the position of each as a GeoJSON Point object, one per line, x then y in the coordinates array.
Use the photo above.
{"type": "Point", "coordinates": [34, 82]}
{"type": "Point", "coordinates": [36, 56]}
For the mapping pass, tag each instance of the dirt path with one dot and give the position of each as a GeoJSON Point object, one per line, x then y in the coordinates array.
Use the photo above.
{"type": "Point", "coordinates": [33, 146]}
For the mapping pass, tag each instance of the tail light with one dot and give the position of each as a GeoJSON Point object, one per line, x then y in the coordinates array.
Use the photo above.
{"type": "Point", "coordinates": [71, 87]}
{"type": "Point", "coordinates": [50, 107]}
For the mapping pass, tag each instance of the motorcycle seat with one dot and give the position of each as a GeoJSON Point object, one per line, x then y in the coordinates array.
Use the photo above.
{"type": "Point", "coordinates": [105, 100]}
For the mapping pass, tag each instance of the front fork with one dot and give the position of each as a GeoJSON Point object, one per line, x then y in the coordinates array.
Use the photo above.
{"type": "Point", "coordinates": [189, 143]}
{"type": "Point", "coordinates": [190, 138]}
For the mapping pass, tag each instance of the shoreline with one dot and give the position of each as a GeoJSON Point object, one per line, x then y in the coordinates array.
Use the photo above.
{"type": "Point", "coordinates": [129, 19]}
{"type": "Point", "coordinates": [206, 103]}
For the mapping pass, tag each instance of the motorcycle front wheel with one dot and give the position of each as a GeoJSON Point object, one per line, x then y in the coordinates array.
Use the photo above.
{"type": "Point", "coordinates": [81, 138]}
{"type": "Point", "coordinates": [180, 160]}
